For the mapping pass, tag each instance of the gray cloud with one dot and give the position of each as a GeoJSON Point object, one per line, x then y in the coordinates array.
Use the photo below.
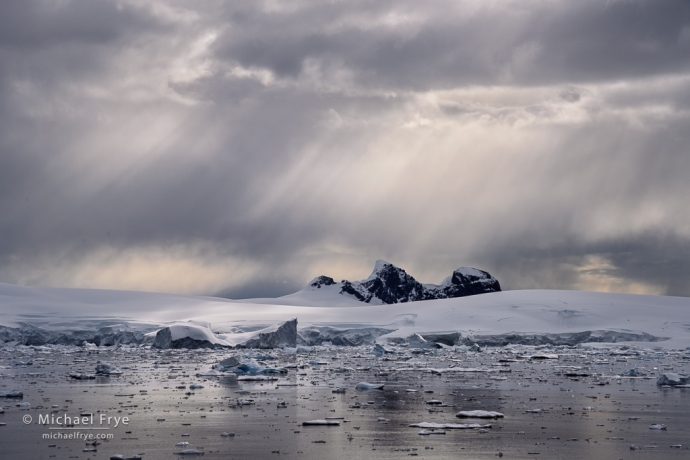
{"type": "Point", "coordinates": [244, 148]}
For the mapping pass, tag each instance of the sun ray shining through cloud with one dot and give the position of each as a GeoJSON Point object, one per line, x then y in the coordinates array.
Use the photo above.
{"type": "Point", "coordinates": [246, 147]}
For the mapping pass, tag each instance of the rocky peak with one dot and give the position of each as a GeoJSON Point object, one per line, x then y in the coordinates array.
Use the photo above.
{"type": "Point", "coordinates": [470, 281]}
{"type": "Point", "coordinates": [321, 281]}
{"type": "Point", "coordinates": [389, 284]}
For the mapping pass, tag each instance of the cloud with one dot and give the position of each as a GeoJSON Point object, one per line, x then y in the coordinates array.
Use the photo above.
{"type": "Point", "coordinates": [243, 148]}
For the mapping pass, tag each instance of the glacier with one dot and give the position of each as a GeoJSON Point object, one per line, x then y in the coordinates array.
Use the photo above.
{"type": "Point", "coordinates": [83, 317]}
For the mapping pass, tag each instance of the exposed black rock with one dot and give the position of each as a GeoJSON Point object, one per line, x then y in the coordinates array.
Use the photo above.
{"type": "Point", "coordinates": [321, 281]}
{"type": "Point", "coordinates": [469, 281]}
{"type": "Point", "coordinates": [389, 284]}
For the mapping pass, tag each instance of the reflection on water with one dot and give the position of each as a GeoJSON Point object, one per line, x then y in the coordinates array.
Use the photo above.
{"type": "Point", "coordinates": [547, 414]}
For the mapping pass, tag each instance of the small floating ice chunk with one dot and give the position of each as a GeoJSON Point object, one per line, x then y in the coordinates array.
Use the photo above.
{"type": "Point", "coordinates": [321, 422]}
{"type": "Point", "coordinates": [657, 426]}
{"type": "Point", "coordinates": [182, 444]}
{"type": "Point", "coordinates": [449, 426]}
{"type": "Point", "coordinates": [190, 452]}
{"type": "Point", "coordinates": [78, 376]}
{"type": "Point", "coordinates": [227, 434]}
{"type": "Point", "coordinates": [478, 414]}
{"type": "Point", "coordinates": [369, 386]}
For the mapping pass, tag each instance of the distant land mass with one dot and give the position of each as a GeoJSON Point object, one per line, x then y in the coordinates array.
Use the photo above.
{"type": "Point", "coordinates": [389, 284]}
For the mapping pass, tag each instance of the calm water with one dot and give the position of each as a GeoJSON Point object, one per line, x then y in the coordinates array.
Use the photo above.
{"type": "Point", "coordinates": [579, 418]}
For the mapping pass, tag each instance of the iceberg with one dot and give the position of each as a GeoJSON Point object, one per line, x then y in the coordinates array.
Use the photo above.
{"type": "Point", "coordinates": [191, 334]}
{"type": "Point", "coordinates": [107, 369]}
{"type": "Point", "coordinates": [672, 379]}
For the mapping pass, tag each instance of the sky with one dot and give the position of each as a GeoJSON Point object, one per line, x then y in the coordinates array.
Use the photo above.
{"type": "Point", "coordinates": [242, 148]}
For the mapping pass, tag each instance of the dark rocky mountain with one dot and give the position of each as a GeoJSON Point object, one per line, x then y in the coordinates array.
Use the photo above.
{"type": "Point", "coordinates": [389, 284]}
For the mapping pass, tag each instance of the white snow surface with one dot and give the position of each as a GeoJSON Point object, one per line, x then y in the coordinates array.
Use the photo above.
{"type": "Point", "coordinates": [196, 331]}
{"type": "Point", "coordinates": [527, 311]}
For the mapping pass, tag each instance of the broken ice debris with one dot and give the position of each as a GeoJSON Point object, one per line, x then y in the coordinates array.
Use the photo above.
{"type": "Point", "coordinates": [478, 414]}
{"type": "Point", "coordinates": [657, 426]}
{"type": "Point", "coordinates": [321, 422]}
{"type": "Point", "coordinates": [369, 386]}
{"type": "Point", "coordinates": [672, 379]}
{"type": "Point", "coordinates": [107, 369]}
{"type": "Point", "coordinates": [380, 350]}
{"type": "Point", "coordinates": [476, 348]}
{"type": "Point", "coordinates": [247, 366]}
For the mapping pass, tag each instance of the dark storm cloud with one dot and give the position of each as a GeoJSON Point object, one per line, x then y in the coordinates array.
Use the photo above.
{"type": "Point", "coordinates": [653, 259]}
{"type": "Point", "coordinates": [543, 141]}
{"type": "Point", "coordinates": [526, 42]}
{"type": "Point", "coordinates": [37, 23]}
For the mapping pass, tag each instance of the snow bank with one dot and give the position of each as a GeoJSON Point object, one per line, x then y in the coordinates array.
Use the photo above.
{"type": "Point", "coordinates": [187, 335]}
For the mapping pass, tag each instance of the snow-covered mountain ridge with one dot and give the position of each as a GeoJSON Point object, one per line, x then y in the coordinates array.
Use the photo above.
{"type": "Point", "coordinates": [35, 316]}
{"type": "Point", "coordinates": [389, 284]}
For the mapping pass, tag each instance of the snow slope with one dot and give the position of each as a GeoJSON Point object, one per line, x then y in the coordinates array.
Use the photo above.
{"type": "Point", "coordinates": [523, 312]}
